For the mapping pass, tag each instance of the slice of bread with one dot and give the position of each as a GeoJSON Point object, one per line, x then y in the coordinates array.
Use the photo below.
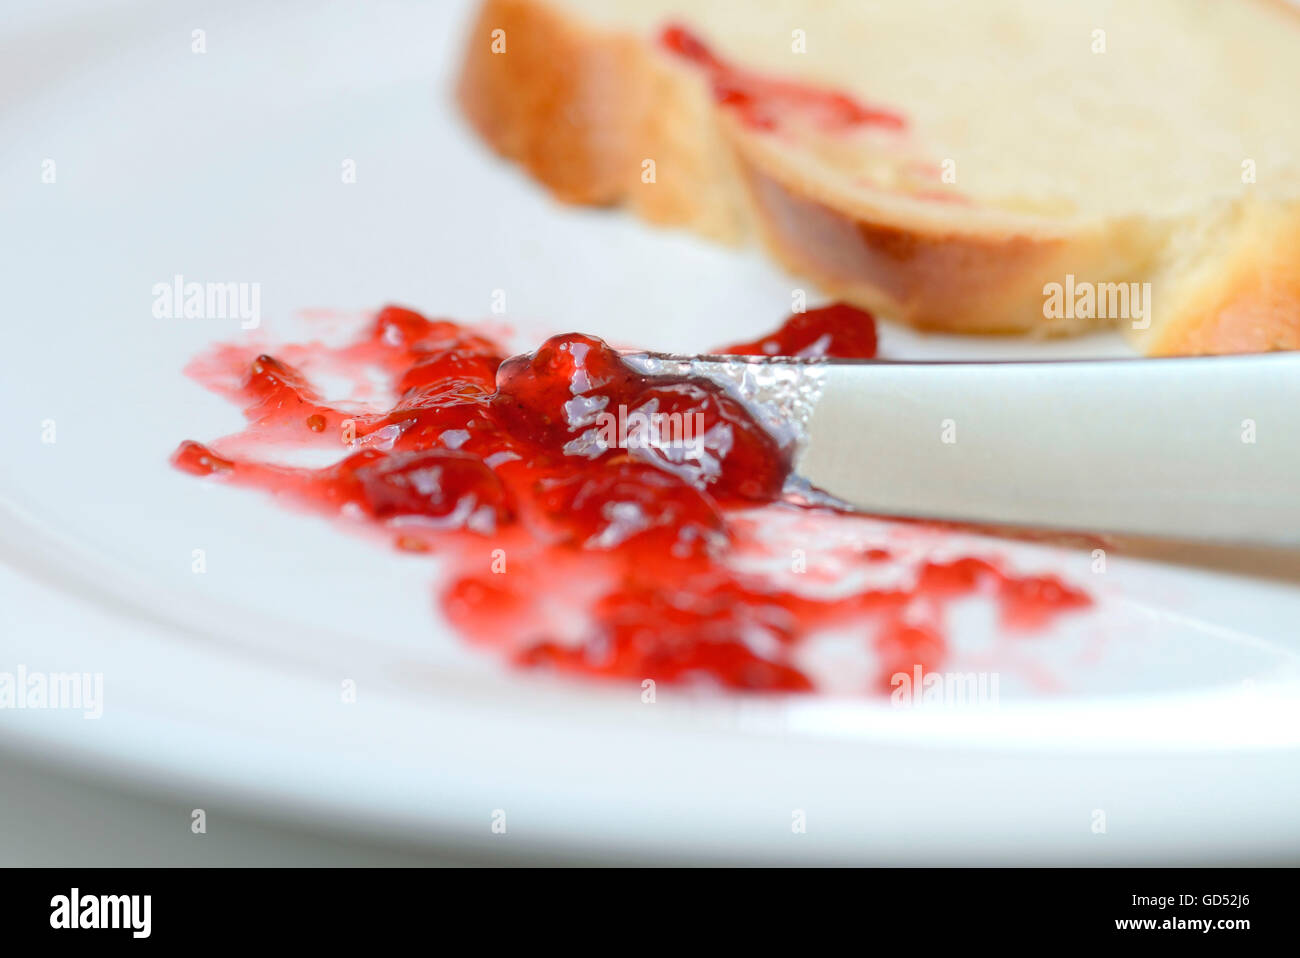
{"type": "Point", "coordinates": [1002, 166]}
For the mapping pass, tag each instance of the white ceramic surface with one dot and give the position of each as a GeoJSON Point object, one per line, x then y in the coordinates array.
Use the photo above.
{"type": "Point", "coordinates": [1172, 709]}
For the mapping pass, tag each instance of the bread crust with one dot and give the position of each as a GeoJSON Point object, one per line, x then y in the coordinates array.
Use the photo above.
{"type": "Point", "coordinates": [1245, 298]}
{"type": "Point", "coordinates": [932, 278]}
{"type": "Point", "coordinates": [584, 109]}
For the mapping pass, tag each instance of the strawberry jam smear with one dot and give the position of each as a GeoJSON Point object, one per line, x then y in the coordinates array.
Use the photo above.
{"type": "Point", "coordinates": [565, 550]}
{"type": "Point", "coordinates": [762, 102]}
{"type": "Point", "coordinates": [837, 331]}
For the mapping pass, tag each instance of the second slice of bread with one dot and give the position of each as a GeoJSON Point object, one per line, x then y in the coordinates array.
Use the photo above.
{"type": "Point", "coordinates": [1006, 166]}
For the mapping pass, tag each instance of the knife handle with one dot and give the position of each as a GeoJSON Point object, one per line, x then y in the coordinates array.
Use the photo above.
{"type": "Point", "coordinates": [1198, 448]}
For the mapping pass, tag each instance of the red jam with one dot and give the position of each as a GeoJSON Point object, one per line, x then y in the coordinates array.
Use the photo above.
{"type": "Point", "coordinates": [566, 545]}
{"type": "Point", "coordinates": [762, 102]}
{"type": "Point", "coordinates": [837, 331]}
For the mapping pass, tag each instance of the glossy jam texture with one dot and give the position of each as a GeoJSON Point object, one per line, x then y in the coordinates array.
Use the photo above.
{"type": "Point", "coordinates": [571, 542]}
{"type": "Point", "coordinates": [838, 331]}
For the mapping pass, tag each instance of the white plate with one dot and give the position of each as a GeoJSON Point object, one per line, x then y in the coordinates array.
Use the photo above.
{"type": "Point", "coordinates": [1171, 711]}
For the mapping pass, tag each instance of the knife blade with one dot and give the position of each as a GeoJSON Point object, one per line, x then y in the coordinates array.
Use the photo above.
{"type": "Point", "coordinates": [1187, 448]}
